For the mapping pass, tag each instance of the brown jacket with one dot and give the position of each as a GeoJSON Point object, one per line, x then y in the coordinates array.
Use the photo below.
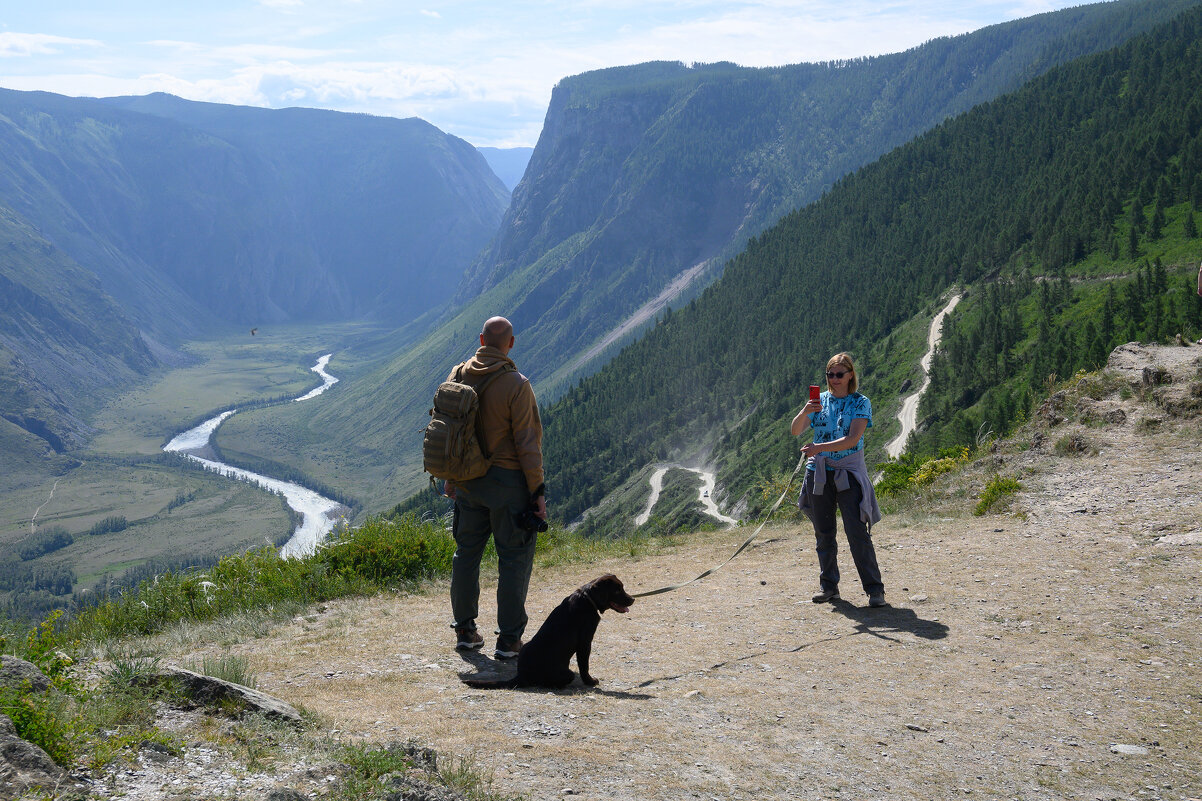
{"type": "Point", "coordinates": [513, 431]}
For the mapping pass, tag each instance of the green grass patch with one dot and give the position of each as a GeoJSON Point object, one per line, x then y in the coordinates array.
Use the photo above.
{"type": "Point", "coordinates": [998, 489]}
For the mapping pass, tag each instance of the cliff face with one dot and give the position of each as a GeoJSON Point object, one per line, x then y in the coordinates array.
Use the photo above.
{"type": "Point", "coordinates": [649, 173]}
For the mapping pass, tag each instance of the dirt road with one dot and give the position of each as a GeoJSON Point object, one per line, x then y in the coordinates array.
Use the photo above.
{"type": "Point", "coordinates": [908, 416]}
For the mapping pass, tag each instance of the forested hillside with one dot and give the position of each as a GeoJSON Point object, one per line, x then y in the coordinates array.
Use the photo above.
{"type": "Point", "coordinates": [1085, 173]}
{"type": "Point", "coordinates": [644, 181]}
{"type": "Point", "coordinates": [658, 173]}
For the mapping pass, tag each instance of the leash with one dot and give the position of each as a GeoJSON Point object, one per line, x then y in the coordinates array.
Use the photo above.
{"type": "Point", "coordinates": [740, 549]}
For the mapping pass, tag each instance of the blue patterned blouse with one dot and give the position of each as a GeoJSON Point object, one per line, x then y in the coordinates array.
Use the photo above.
{"type": "Point", "coordinates": [834, 421]}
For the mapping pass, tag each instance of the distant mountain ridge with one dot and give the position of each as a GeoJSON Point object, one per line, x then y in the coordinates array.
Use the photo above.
{"type": "Point", "coordinates": [658, 173]}
{"type": "Point", "coordinates": [179, 219]}
{"type": "Point", "coordinates": [509, 163]}
{"type": "Point", "coordinates": [249, 215]}
{"type": "Point", "coordinates": [645, 174]}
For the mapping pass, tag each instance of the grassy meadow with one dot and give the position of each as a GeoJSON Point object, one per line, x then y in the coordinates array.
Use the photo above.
{"type": "Point", "coordinates": [171, 512]}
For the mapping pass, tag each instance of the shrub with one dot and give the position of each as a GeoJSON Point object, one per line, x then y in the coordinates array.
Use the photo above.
{"type": "Point", "coordinates": [1074, 445]}
{"type": "Point", "coordinates": [383, 551]}
{"type": "Point", "coordinates": [377, 554]}
{"type": "Point", "coordinates": [931, 469]}
{"type": "Point", "coordinates": [110, 525]}
{"type": "Point", "coordinates": [45, 719]}
{"type": "Point", "coordinates": [996, 489]}
{"type": "Point", "coordinates": [771, 488]}
{"type": "Point", "coordinates": [896, 475]}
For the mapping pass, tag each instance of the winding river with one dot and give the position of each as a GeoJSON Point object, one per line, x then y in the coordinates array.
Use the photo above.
{"type": "Point", "coordinates": [317, 512]}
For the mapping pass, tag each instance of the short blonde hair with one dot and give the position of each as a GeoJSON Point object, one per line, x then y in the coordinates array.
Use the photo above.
{"type": "Point", "coordinates": [844, 359]}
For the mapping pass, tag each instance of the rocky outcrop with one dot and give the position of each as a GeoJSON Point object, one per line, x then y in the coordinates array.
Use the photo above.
{"type": "Point", "coordinates": [24, 766]}
{"type": "Point", "coordinates": [16, 673]}
{"type": "Point", "coordinates": [207, 690]}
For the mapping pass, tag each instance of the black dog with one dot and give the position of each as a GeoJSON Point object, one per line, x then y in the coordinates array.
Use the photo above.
{"type": "Point", "coordinates": [569, 629]}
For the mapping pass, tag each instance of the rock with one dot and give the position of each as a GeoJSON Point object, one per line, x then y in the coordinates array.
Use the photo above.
{"type": "Point", "coordinates": [286, 794]}
{"type": "Point", "coordinates": [1115, 416]}
{"type": "Point", "coordinates": [155, 752]}
{"type": "Point", "coordinates": [14, 672]}
{"type": "Point", "coordinates": [1155, 375]}
{"type": "Point", "coordinates": [1189, 538]}
{"type": "Point", "coordinates": [24, 766]}
{"type": "Point", "coordinates": [411, 788]}
{"type": "Point", "coordinates": [208, 690]}
{"type": "Point", "coordinates": [1129, 750]}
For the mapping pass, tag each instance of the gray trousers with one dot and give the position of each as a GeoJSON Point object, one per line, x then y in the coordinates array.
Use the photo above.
{"type": "Point", "coordinates": [859, 539]}
{"type": "Point", "coordinates": [486, 506]}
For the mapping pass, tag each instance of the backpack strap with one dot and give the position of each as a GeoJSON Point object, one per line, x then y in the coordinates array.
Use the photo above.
{"type": "Point", "coordinates": [479, 389]}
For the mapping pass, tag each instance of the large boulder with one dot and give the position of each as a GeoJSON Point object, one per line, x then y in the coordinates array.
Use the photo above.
{"type": "Point", "coordinates": [208, 691]}
{"type": "Point", "coordinates": [15, 672]}
{"type": "Point", "coordinates": [24, 766]}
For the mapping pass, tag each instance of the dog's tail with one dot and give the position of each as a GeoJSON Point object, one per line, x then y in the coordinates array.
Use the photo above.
{"type": "Point", "coordinates": [491, 684]}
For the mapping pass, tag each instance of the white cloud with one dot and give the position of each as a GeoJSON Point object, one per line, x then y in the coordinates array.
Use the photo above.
{"type": "Point", "coordinates": [476, 68]}
{"type": "Point", "coordinates": [17, 45]}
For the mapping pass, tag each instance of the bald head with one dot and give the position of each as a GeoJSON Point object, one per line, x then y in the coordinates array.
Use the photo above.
{"type": "Point", "coordinates": [497, 333]}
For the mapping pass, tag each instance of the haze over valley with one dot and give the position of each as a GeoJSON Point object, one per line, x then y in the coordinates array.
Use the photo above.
{"type": "Point", "coordinates": [679, 253]}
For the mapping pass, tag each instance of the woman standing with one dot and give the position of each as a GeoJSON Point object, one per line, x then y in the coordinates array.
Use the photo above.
{"type": "Point", "coordinates": [836, 475]}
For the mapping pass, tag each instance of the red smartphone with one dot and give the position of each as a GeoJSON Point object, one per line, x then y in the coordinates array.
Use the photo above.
{"type": "Point", "coordinates": [814, 390]}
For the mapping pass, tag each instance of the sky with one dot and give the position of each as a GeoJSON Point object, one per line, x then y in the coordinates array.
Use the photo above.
{"type": "Point", "coordinates": [481, 70]}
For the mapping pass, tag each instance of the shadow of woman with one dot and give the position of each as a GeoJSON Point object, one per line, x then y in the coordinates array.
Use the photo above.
{"type": "Point", "coordinates": [885, 620]}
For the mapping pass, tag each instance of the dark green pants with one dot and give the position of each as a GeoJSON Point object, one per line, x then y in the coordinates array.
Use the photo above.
{"type": "Point", "coordinates": [486, 506]}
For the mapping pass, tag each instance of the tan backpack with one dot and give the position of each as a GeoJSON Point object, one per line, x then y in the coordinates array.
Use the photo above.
{"type": "Point", "coordinates": [453, 445]}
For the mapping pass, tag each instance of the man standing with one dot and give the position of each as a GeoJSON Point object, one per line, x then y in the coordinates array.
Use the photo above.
{"type": "Point", "coordinates": [512, 433]}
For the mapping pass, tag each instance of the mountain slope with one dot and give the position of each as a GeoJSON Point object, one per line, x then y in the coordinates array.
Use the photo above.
{"type": "Point", "coordinates": [657, 173]}
{"type": "Point", "coordinates": [193, 212]}
{"type": "Point", "coordinates": [645, 176]}
{"type": "Point", "coordinates": [61, 338]}
{"type": "Point", "coordinates": [1029, 181]}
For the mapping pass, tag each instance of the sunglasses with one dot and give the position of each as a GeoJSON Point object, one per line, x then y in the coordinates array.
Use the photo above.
{"type": "Point", "coordinates": [839, 374]}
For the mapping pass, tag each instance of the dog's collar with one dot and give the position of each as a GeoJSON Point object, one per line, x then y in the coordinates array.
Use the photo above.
{"type": "Point", "coordinates": [591, 601]}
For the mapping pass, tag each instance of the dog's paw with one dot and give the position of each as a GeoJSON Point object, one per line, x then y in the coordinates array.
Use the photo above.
{"type": "Point", "coordinates": [590, 681]}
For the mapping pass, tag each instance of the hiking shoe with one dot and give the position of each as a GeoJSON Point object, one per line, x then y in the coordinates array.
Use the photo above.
{"type": "Point", "coordinates": [825, 596]}
{"type": "Point", "coordinates": [877, 599]}
{"type": "Point", "coordinates": [468, 639]}
{"type": "Point", "coordinates": [507, 649]}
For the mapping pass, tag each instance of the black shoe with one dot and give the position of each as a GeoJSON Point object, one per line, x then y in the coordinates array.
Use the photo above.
{"type": "Point", "coordinates": [877, 599]}
{"type": "Point", "coordinates": [825, 596]}
{"type": "Point", "coordinates": [468, 639]}
{"type": "Point", "coordinates": [507, 649]}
